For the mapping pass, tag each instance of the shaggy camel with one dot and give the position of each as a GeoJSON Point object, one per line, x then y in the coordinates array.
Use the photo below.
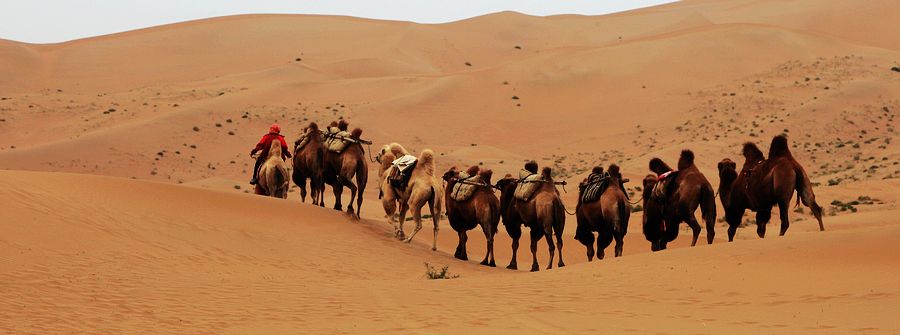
{"type": "Point", "coordinates": [307, 162]}
{"type": "Point", "coordinates": [389, 153]}
{"type": "Point", "coordinates": [340, 168]}
{"type": "Point", "coordinates": [273, 174]}
{"type": "Point", "coordinates": [608, 216]}
{"type": "Point", "coordinates": [686, 189]}
{"type": "Point", "coordinates": [422, 188]}
{"type": "Point", "coordinates": [762, 184]}
{"type": "Point", "coordinates": [543, 213]}
{"type": "Point", "coordinates": [482, 208]}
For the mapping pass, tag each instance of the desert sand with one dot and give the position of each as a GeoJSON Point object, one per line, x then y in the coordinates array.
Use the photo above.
{"type": "Point", "coordinates": [123, 189]}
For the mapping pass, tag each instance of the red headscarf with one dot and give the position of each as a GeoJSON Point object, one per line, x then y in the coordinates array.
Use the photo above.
{"type": "Point", "coordinates": [275, 128]}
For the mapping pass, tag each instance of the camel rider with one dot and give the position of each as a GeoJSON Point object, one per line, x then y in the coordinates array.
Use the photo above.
{"type": "Point", "coordinates": [263, 147]}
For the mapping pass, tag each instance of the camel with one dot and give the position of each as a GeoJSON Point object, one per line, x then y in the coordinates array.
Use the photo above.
{"type": "Point", "coordinates": [340, 168]}
{"type": "Point", "coordinates": [608, 216]}
{"type": "Point", "coordinates": [422, 188]}
{"type": "Point", "coordinates": [543, 213]}
{"type": "Point", "coordinates": [762, 184]}
{"type": "Point", "coordinates": [273, 174]}
{"type": "Point", "coordinates": [389, 152]}
{"type": "Point", "coordinates": [482, 208]}
{"type": "Point", "coordinates": [307, 163]}
{"type": "Point", "coordinates": [686, 189]}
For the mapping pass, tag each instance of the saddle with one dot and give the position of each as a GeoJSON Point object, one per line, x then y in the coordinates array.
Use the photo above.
{"type": "Point", "coordinates": [664, 186]}
{"type": "Point", "coordinates": [527, 184]}
{"type": "Point", "coordinates": [465, 187]}
{"type": "Point", "coordinates": [401, 171]}
{"type": "Point", "coordinates": [336, 140]}
{"type": "Point", "coordinates": [593, 187]}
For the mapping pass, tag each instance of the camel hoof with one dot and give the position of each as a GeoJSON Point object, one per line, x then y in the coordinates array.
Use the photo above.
{"type": "Point", "coordinates": [484, 262]}
{"type": "Point", "coordinates": [407, 240]}
{"type": "Point", "coordinates": [561, 264]}
{"type": "Point", "coordinates": [535, 268]}
{"type": "Point", "coordinates": [492, 264]}
{"type": "Point", "coordinates": [512, 266]}
{"type": "Point", "coordinates": [433, 248]}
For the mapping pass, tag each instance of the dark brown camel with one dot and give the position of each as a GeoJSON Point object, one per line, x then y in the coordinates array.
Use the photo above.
{"type": "Point", "coordinates": [482, 208]}
{"type": "Point", "coordinates": [340, 168]}
{"type": "Point", "coordinates": [687, 190]}
{"type": "Point", "coordinates": [543, 213]}
{"type": "Point", "coordinates": [308, 163]}
{"type": "Point", "coordinates": [762, 184]}
{"type": "Point", "coordinates": [608, 216]}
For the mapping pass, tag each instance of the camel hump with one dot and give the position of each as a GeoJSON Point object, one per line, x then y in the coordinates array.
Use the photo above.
{"type": "Point", "coordinates": [686, 159]}
{"type": "Point", "coordinates": [313, 126]}
{"type": "Point", "coordinates": [614, 170]}
{"type": "Point", "coordinates": [597, 170]}
{"type": "Point", "coordinates": [752, 153]}
{"type": "Point", "coordinates": [547, 173]}
{"type": "Point", "coordinates": [486, 175]}
{"type": "Point", "coordinates": [397, 149]}
{"type": "Point", "coordinates": [426, 160]}
{"type": "Point", "coordinates": [472, 170]}
{"type": "Point", "coordinates": [356, 133]}
{"type": "Point", "coordinates": [779, 147]}
{"type": "Point", "coordinates": [658, 166]}
{"type": "Point", "coordinates": [343, 125]}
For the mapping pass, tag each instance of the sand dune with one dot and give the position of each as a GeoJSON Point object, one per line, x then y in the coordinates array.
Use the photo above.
{"type": "Point", "coordinates": [125, 169]}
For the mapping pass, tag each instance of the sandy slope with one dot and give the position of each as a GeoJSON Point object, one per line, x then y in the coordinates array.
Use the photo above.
{"type": "Point", "coordinates": [85, 253]}
{"type": "Point", "coordinates": [99, 255]}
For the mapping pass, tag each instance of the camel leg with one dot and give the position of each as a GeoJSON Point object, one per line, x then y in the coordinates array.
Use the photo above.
{"type": "Point", "coordinates": [402, 219]}
{"type": "Point", "coordinates": [762, 218]}
{"type": "Point", "coordinates": [695, 228]}
{"type": "Point", "coordinates": [514, 234]}
{"type": "Point", "coordinates": [417, 218]}
{"type": "Point", "coordinates": [338, 188]}
{"type": "Point", "coordinates": [536, 236]}
{"type": "Point", "coordinates": [588, 241]}
{"type": "Point", "coordinates": [489, 236]}
{"type": "Point", "coordinates": [620, 244]}
{"type": "Point", "coordinates": [785, 219]}
{"type": "Point", "coordinates": [461, 247]}
{"type": "Point", "coordinates": [734, 218]}
{"type": "Point", "coordinates": [603, 241]}
{"type": "Point", "coordinates": [301, 183]}
{"type": "Point", "coordinates": [552, 248]}
{"type": "Point", "coordinates": [352, 188]}
{"type": "Point", "coordinates": [559, 246]}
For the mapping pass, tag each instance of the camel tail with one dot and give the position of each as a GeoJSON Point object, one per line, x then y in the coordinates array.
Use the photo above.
{"type": "Point", "coordinates": [806, 195]}
{"type": "Point", "coordinates": [779, 147]}
{"type": "Point", "coordinates": [426, 161]}
{"type": "Point", "coordinates": [708, 205]}
{"type": "Point", "coordinates": [277, 179]}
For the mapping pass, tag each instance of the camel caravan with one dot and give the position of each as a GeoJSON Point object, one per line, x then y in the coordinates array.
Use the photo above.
{"type": "Point", "coordinates": [470, 199]}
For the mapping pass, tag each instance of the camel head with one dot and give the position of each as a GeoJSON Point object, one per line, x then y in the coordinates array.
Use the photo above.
{"type": "Point", "coordinates": [686, 159]}
{"type": "Point", "coordinates": [452, 173]}
{"type": "Point", "coordinates": [505, 182]}
{"type": "Point", "coordinates": [384, 149]}
{"type": "Point", "coordinates": [727, 170]}
{"type": "Point", "coordinates": [486, 175]}
{"type": "Point", "coordinates": [343, 125]}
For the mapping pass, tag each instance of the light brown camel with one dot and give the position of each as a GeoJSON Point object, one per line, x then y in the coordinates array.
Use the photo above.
{"type": "Point", "coordinates": [422, 188]}
{"type": "Point", "coordinates": [543, 213]}
{"type": "Point", "coordinates": [274, 179]}
{"type": "Point", "coordinates": [340, 168]}
{"type": "Point", "coordinates": [482, 208]}
{"type": "Point", "coordinates": [762, 184]}
{"type": "Point", "coordinates": [389, 153]}
{"type": "Point", "coordinates": [608, 216]}
{"type": "Point", "coordinates": [308, 162]}
{"type": "Point", "coordinates": [685, 190]}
